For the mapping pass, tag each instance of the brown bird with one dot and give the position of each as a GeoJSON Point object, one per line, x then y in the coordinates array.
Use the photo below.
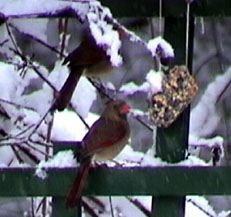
{"type": "Point", "coordinates": [88, 58]}
{"type": "Point", "coordinates": [104, 141]}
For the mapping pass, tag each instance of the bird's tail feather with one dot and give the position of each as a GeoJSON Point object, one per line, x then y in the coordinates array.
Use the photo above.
{"type": "Point", "coordinates": [75, 193]}
{"type": "Point", "coordinates": [67, 89]}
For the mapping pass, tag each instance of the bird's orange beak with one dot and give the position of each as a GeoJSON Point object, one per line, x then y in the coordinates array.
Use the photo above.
{"type": "Point", "coordinates": [125, 109]}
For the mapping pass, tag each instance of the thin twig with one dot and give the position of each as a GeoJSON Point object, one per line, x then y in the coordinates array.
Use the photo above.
{"type": "Point", "coordinates": [4, 42]}
{"type": "Point", "coordinates": [82, 119]}
{"type": "Point", "coordinates": [32, 207]}
{"type": "Point", "coordinates": [89, 209]}
{"type": "Point", "coordinates": [38, 150]}
{"type": "Point", "coordinates": [20, 160]}
{"type": "Point", "coordinates": [10, 162]}
{"type": "Point", "coordinates": [39, 123]}
{"type": "Point", "coordinates": [111, 206]}
{"type": "Point", "coordinates": [17, 144]}
{"type": "Point", "coordinates": [43, 77]}
{"type": "Point", "coordinates": [44, 207]}
{"type": "Point", "coordinates": [98, 202]}
{"type": "Point", "coordinates": [41, 143]}
{"type": "Point", "coordinates": [100, 88]}
{"type": "Point", "coordinates": [187, 34]}
{"type": "Point", "coordinates": [37, 40]}
{"type": "Point", "coordinates": [26, 60]}
{"type": "Point", "coordinates": [199, 207]}
{"type": "Point", "coordinates": [12, 38]}
{"type": "Point", "coordinates": [143, 123]}
{"type": "Point", "coordinates": [222, 92]}
{"type": "Point", "coordinates": [28, 153]}
{"type": "Point", "coordinates": [38, 207]}
{"type": "Point", "coordinates": [17, 136]}
{"type": "Point", "coordinates": [63, 31]}
{"type": "Point", "coordinates": [16, 104]}
{"type": "Point", "coordinates": [48, 138]}
{"type": "Point", "coordinates": [140, 206]}
{"type": "Point", "coordinates": [160, 16]}
{"type": "Point", "coordinates": [103, 92]}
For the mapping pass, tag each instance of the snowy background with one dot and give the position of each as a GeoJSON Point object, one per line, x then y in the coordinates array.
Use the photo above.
{"type": "Point", "coordinates": [31, 73]}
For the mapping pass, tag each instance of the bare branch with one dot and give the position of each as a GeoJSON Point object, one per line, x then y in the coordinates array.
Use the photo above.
{"type": "Point", "coordinates": [63, 24]}
{"type": "Point", "coordinates": [37, 40]}
{"type": "Point", "coordinates": [3, 42]}
{"type": "Point", "coordinates": [20, 145]}
{"type": "Point", "coordinates": [223, 91]}
{"type": "Point", "coordinates": [111, 206]}
{"type": "Point", "coordinates": [200, 207]}
{"type": "Point", "coordinates": [36, 69]}
{"type": "Point", "coordinates": [16, 104]}
{"type": "Point", "coordinates": [102, 90]}
{"type": "Point", "coordinates": [140, 206]}
{"type": "Point", "coordinates": [27, 61]}
{"type": "Point", "coordinates": [89, 209]}
{"type": "Point", "coordinates": [28, 153]}
{"type": "Point", "coordinates": [17, 155]}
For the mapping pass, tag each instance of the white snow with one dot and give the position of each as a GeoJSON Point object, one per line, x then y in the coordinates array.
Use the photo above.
{"type": "Point", "coordinates": [198, 206]}
{"type": "Point", "coordinates": [129, 157]}
{"type": "Point", "coordinates": [123, 207]}
{"type": "Point", "coordinates": [10, 82]}
{"type": "Point", "coordinates": [59, 74]}
{"type": "Point", "coordinates": [132, 88]}
{"type": "Point", "coordinates": [138, 113]}
{"type": "Point", "coordinates": [224, 214]}
{"type": "Point", "coordinates": [34, 100]}
{"type": "Point", "coordinates": [83, 96]}
{"type": "Point", "coordinates": [45, 93]}
{"type": "Point", "coordinates": [6, 155]}
{"type": "Point", "coordinates": [103, 32]}
{"type": "Point", "coordinates": [68, 126]}
{"type": "Point", "coordinates": [61, 159]}
{"type": "Point", "coordinates": [159, 44]}
{"type": "Point", "coordinates": [110, 86]}
{"type": "Point", "coordinates": [155, 81]}
{"type": "Point", "coordinates": [203, 118]}
{"type": "Point", "coordinates": [33, 7]}
{"type": "Point", "coordinates": [12, 87]}
{"type": "Point", "coordinates": [11, 7]}
{"type": "Point", "coordinates": [4, 37]}
{"type": "Point", "coordinates": [152, 85]}
{"type": "Point", "coordinates": [216, 141]}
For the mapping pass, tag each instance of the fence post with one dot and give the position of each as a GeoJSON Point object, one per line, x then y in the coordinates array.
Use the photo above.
{"type": "Point", "coordinates": [58, 203]}
{"type": "Point", "coordinates": [172, 142]}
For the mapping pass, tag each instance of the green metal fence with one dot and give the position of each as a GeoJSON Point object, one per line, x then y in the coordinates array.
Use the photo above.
{"type": "Point", "coordinates": [167, 185]}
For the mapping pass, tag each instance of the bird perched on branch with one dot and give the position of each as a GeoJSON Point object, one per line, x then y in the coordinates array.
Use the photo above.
{"type": "Point", "coordinates": [104, 141]}
{"type": "Point", "coordinates": [88, 58]}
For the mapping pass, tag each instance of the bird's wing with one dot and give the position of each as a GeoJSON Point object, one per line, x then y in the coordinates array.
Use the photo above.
{"type": "Point", "coordinates": [86, 54]}
{"type": "Point", "coordinates": [103, 133]}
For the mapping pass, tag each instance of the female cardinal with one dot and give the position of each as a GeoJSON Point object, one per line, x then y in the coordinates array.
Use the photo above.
{"type": "Point", "coordinates": [88, 57]}
{"type": "Point", "coordinates": [105, 139]}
